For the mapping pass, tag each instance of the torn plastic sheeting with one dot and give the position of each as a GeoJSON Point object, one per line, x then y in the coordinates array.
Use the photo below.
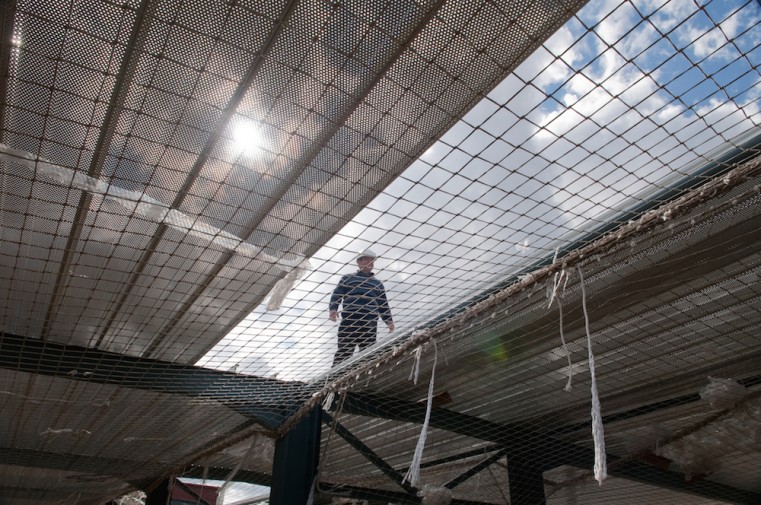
{"type": "Point", "coordinates": [284, 285]}
{"type": "Point", "coordinates": [143, 205]}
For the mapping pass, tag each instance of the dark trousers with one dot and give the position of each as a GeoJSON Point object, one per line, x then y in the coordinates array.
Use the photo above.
{"type": "Point", "coordinates": [355, 330]}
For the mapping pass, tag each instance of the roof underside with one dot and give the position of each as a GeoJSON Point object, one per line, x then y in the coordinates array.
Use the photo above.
{"type": "Point", "coordinates": [166, 163]}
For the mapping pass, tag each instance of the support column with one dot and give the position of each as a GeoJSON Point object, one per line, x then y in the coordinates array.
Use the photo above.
{"type": "Point", "coordinates": [159, 495]}
{"type": "Point", "coordinates": [297, 455]}
{"type": "Point", "coordinates": [526, 481]}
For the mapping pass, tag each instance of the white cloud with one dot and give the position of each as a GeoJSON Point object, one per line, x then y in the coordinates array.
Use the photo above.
{"type": "Point", "coordinates": [707, 43]}
{"type": "Point", "coordinates": [666, 14]}
{"type": "Point", "coordinates": [616, 23]}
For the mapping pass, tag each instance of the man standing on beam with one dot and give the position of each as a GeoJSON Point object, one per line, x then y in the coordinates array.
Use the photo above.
{"type": "Point", "coordinates": [363, 301]}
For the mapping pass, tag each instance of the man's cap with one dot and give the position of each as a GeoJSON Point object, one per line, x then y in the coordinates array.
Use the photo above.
{"type": "Point", "coordinates": [367, 253]}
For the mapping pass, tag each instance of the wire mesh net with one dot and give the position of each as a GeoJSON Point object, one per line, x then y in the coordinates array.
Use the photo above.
{"type": "Point", "coordinates": [504, 362]}
{"type": "Point", "coordinates": [561, 198]}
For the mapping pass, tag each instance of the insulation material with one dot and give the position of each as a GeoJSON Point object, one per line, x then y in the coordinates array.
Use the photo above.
{"type": "Point", "coordinates": [723, 393]}
{"type": "Point", "coordinates": [734, 432]}
{"type": "Point", "coordinates": [435, 495]}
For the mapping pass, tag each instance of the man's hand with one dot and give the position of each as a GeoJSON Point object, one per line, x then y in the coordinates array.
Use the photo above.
{"type": "Point", "coordinates": [390, 325]}
{"type": "Point", "coordinates": [333, 315]}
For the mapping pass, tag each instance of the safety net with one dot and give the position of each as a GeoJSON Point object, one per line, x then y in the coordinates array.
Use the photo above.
{"type": "Point", "coordinates": [561, 198]}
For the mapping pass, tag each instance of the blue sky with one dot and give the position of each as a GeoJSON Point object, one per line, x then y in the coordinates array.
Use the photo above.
{"type": "Point", "coordinates": [624, 100]}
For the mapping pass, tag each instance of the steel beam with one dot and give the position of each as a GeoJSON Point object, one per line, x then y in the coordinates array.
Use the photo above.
{"type": "Point", "coordinates": [456, 457]}
{"type": "Point", "coordinates": [247, 395]}
{"type": "Point", "coordinates": [368, 453]}
{"type": "Point", "coordinates": [476, 469]}
{"type": "Point", "coordinates": [7, 14]}
{"type": "Point", "coordinates": [550, 452]}
{"type": "Point", "coordinates": [544, 452]}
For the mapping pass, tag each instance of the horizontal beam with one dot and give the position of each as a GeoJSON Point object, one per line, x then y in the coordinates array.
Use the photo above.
{"type": "Point", "coordinates": [456, 457]}
{"type": "Point", "coordinates": [268, 401]}
{"type": "Point", "coordinates": [13, 494]}
{"type": "Point", "coordinates": [545, 452]}
{"type": "Point", "coordinates": [651, 476]}
{"type": "Point", "coordinates": [650, 408]}
{"type": "Point", "coordinates": [137, 473]}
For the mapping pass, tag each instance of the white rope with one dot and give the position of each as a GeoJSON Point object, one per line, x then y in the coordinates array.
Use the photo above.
{"type": "Point", "coordinates": [556, 279]}
{"type": "Point", "coordinates": [554, 291]}
{"type": "Point", "coordinates": [568, 385]}
{"type": "Point", "coordinates": [415, 372]}
{"type": "Point", "coordinates": [553, 295]}
{"type": "Point", "coordinates": [598, 435]}
{"type": "Point", "coordinates": [328, 403]}
{"type": "Point", "coordinates": [413, 474]}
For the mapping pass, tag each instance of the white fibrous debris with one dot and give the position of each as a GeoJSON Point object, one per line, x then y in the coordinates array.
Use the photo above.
{"type": "Point", "coordinates": [435, 495]}
{"type": "Point", "coordinates": [723, 393]}
{"type": "Point", "coordinates": [328, 403]}
{"type": "Point", "coordinates": [738, 431]}
{"type": "Point", "coordinates": [65, 431]}
{"type": "Point", "coordinates": [413, 474]}
{"type": "Point", "coordinates": [415, 372]}
{"type": "Point", "coordinates": [134, 498]}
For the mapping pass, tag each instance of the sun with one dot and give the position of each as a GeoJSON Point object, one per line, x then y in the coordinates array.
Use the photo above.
{"type": "Point", "coordinates": [247, 138]}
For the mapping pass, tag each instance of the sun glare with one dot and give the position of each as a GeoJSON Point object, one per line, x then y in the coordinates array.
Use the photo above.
{"type": "Point", "coordinates": [247, 138]}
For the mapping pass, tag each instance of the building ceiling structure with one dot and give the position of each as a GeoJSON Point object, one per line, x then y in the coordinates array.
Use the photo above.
{"type": "Point", "coordinates": [167, 163]}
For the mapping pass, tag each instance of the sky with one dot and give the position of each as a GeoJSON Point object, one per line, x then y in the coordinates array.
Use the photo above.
{"type": "Point", "coordinates": [623, 101]}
